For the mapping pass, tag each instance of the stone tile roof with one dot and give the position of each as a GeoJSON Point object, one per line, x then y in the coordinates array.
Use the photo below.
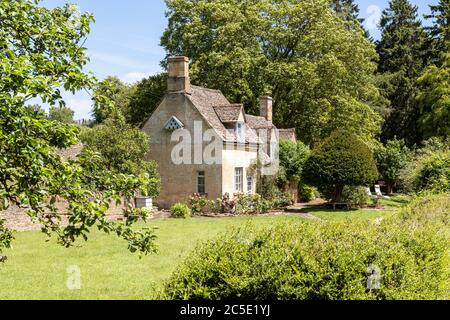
{"type": "Point", "coordinates": [217, 110]}
{"type": "Point", "coordinates": [256, 122]}
{"type": "Point", "coordinates": [287, 134]}
{"type": "Point", "coordinates": [229, 113]}
{"type": "Point", "coordinates": [204, 100]}
{"type": "Point", "coordinates": [72, 152]}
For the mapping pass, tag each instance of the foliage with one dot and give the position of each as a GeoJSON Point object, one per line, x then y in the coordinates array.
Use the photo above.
{"type": "Point", "coordinates": [288, 262]}
{"type": "Point", "coordinates": [392, 159]}
{"type": "Point", "coordinates": [319, 71]}
{"type": "Point", "coordinates": [253, 204]}
{"type": "Point", "coordinates": [440, 29]}
{"type": "Point", "coordinates": [135, 101]}
{"type": "Point", "coordinates": [434, 100]}
{"type": "Point", "coordinates": [356, 196]}
{"type": "Point", "coordinates": [340, 160]}
{"type": "Point", "coordinates": [61, 114]}
{"type": "Point", "coordinates": [117, 92]}
{"type": "Point", "coordinates": [123, 149]}
{"type": "Point", "coordinates": [434, 173]}
{"type": "Point", "coordinates": [306, 193]}
{"type": "Point", "coordinates": [293, 156]}
{"type": "Point", "coordinates": [180, 210]}
{"type": "Point", "coordinates": [147, 95]}
{"type": "Point", "coordinates": [429, 168]}
{"type": "Point", "coordinates": [41, 51]}
{"type": "Point", "coordinates": [403, 56]}
{"type": "Point", "coordinates": [6, 237]}
{"type": "Point", "coordinates": [198, 203]}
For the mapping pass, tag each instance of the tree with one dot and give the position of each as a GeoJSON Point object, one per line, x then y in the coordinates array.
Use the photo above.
{"type": "Point", "coordinates": [61, 114]}
{"type": "Point", "coordinates": [348, 10]}
{"type": "Point", "coordinates": [433, 100]}
{"type": "Point", "coordinates": [293, 156]}
{"type": "Point", "coordinates": [123, 149]}
{"type": "Point", "coordinates": [403, 56]}
{"type": "Point", "coordinates": [136, 102]}
{"type": "Point", "coordinates": [41, 51]}
{"type": "Point", "coordinates": [440, 30]}
{"type": "Point", "coordinates": [146, 97]}
{"type": "Point", "coordinates": [392, 159]}
{"type": "Point", "coordinates": [116, 91]}
{"type": "Point", "coordinates": [340, 160]}
{"type": "Point", "coordinates": [319, 72]}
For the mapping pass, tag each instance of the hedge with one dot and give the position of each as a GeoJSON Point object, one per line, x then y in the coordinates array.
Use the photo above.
{"type": "Point", "coordinates": [324, 260]}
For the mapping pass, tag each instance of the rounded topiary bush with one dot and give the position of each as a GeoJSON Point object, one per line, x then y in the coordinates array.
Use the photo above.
{"type": "Point", "coordinates": [340, 160]}
{"type": "Point", "coordinates": [180, 210]}
{"type": "Point", "coordinates": [395, 259]}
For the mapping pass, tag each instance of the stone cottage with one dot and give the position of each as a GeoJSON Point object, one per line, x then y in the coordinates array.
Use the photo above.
{"type": "Point", "coordinates": [205, 144]}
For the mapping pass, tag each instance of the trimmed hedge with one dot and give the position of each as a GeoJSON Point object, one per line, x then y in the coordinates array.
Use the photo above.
{"type": "Point", "coordinates": [317, 260]}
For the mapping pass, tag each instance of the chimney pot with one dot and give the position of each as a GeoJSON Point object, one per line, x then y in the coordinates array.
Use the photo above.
{"type": "Point", "coordinates": [178, 80]}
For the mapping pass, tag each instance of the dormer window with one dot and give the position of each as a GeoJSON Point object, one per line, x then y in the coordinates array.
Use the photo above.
{"type": "Point", "coordinates": [173, 124]}
{"type": "Point", "coordinates": [240, 133]}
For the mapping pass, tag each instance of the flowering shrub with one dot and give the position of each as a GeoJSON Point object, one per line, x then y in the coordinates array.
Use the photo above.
{"type": "Point", "coordinates": [198, 203]}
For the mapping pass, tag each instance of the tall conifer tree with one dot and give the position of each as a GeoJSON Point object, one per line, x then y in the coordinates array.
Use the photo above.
{"type": "Point", "coordinates": [440, 30]}
{"type": "Point", "coordinates": [403, 56]}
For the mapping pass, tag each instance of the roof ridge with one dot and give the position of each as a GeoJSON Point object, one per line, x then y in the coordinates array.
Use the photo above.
{"type": "Point", "coordinates": [204, 88]}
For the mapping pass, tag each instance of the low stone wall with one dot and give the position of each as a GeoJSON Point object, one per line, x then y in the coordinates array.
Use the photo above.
{"type": "Point", "coordinates": [17, 219]}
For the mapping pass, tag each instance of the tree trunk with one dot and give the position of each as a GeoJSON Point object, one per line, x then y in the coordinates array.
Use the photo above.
{"type": "Point", "coordinates": [337, 195]}
{"type": "Point", "coordinates": [389, 188]}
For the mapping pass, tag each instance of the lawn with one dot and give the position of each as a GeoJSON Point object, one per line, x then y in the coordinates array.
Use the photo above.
{"type": "Point", "coordinates": [389, 205]}
{"type": "Point", "coordinates": [38, 270]}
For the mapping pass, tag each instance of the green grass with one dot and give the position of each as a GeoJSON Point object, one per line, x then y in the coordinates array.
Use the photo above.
{"type": "Point", "coordinates": [37, 270]}
{"type": "Point", "coordinates": [390, 207]}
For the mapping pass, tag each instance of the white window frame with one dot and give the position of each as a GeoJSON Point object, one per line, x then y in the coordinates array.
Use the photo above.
{"type": "Point", "coordinates": [240, 132]}
{"type": "Point", "coordinates": [249, 184]}
{"type": "Point", "coordinates": [239, 179]}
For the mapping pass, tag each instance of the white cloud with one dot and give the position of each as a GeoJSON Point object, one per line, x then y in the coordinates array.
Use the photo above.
{"type": "Point", "coordinates": [132, 77]}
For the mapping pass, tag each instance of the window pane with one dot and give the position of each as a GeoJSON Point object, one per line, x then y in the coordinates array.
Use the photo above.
{"type": "Point", "coordinates": [250, 185]}
{"type": "Point", "coordinates": [201, 183]}
{"type": "Point", "coordinates": [239, 173]}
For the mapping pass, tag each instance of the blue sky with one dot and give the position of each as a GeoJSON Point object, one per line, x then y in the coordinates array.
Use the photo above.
{"type": "Point", "coordinates": [125, 38]}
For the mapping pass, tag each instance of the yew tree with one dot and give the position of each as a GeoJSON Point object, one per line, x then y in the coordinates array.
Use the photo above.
{"type": "Point", "coordinates": [340, 160]}
{"type": "Point", "coordinates": [41, 52]}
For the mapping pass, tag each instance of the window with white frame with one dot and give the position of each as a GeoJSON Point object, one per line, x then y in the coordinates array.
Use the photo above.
{"type": "Point", "coordinates": [201, 186]}
{"type": "Point", "coordinates": [240, 132]}
{"type": "Point", "coordinates": [238, 179]}
{"type": "Point", "coordinates": [250, 185]}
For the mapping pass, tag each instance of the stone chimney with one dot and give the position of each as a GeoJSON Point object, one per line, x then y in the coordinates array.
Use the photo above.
{"type": "Point", "coordinates": [178, 75]}
{"type": "Point", "coordinates": [266, 107]}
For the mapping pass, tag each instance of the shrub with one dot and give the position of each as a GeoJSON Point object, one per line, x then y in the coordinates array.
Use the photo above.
{"type": "Point", "coordinates": [342, 159]}
{"type": "Point", "coordinates": [198, 203]}
{"type": "Point", "coordinates": [253, 204]}
{"type": "Point", "coordinates": [391, 159]}
{"type": "Point", "coordinates": [399, 258]}
{"type": "Point", "coordinates": [356, 196]}
{"type": "Point", "coordinates": [281, 200]}
{"type": "Point", "coordinates": [180, 210]}
{"type": "Point", "coordinates": [306, 193]}
{"type": "Point", "coordinates": [430, 170]}
{"type": "Point", "coordinates": [434, 173]}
